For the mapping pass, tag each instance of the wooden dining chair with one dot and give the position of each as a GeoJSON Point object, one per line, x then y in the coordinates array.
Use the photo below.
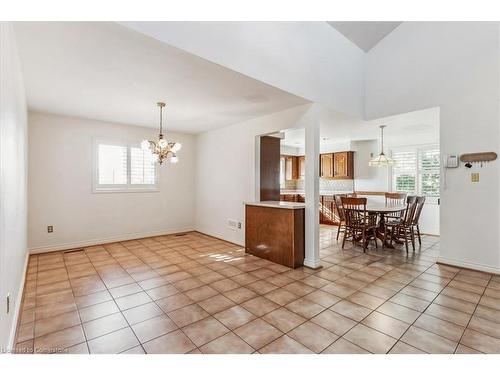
{"type": "Point", "coordinates": [341, 219]}
{"type": "Point", "coordinates": [416, 217]}
{"type": "Point", "coordinates": [402, 228]}
{"type": "Point", "coordinates": [394, 199]}
{"type": "Point", "coordinates": [359, 224]}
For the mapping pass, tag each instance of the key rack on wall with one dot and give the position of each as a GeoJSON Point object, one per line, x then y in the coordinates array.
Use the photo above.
{"type": "Point", "coordinates": [478, 157]}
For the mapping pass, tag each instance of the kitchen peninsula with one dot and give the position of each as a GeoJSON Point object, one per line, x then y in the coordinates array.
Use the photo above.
{"type": "Point", "coordinates": [274, 231]}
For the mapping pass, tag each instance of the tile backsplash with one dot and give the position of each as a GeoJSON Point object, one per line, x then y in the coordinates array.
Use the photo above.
{"type": "Point", "coordinates": [336, 185]}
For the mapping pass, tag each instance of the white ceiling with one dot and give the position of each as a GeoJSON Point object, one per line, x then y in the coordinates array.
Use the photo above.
{"type": "Point", "coordinates": [365, 34]}
{"type": "Point", "coordinates": [419, 127]}
{"type": "Point", "coordinates": [107, 72]}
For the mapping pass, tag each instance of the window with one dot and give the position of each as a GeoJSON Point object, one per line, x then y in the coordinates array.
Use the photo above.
{"type": "Point", "coordinates": [123, 167]}
{"type": "Point", "coordinates": [416, 170]}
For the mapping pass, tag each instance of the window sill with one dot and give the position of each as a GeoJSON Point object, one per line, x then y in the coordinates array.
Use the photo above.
{"type": "Point", "coordinates": [121, 190]}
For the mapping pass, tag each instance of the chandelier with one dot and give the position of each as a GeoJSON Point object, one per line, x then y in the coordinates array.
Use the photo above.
{"type": "Point", "coordinates": [162, 148]}
{"type": "Point", "coordinates": [381, 160]}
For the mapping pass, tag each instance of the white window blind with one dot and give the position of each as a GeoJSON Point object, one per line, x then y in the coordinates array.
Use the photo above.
{"type": "Point", "coordinates": [112, 164]}
{"type": "Point", "coordinates": [122, 167]}
{"type": "Point", "coordinates": [142, 167]}
{"type": "Point", "coordinates": [428, 172]}
{"type": "Point", "coordinates": [416, 170]}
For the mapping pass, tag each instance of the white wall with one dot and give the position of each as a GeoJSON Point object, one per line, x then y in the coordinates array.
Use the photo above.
{"type": "Point", "coordinates": [13, 184]}
{"type": "Point", "coordinates": [60, 186]}
{"type": "Point", "coordinates": [453, 65]}
{"type": "Point", "coordinates": [308, 59]}
{"type": "Point", "coordinates": [226, 171]}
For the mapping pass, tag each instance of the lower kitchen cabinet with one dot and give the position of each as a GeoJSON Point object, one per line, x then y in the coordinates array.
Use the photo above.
{"type": "Point", "coordinates": [328, 212]}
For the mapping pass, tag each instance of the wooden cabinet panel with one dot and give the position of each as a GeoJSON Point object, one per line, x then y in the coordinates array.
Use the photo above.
{"type": "Point", "coordinates": [328, 212]}
{"type": "Point", "coordinates": [343, 165]}
{"type": "Point", "coordinates": [301, 167]}
{"type": "Point", "coordinates": [291, 167]}
{"type": "Point", "coordinates": [326, 166]}
{"type": "Point", "coordinates": [269, 168]}
{"type": "Point", "coordinates": [275, 234]}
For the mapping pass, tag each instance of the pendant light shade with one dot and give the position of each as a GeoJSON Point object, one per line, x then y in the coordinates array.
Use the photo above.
{"type": "Point", "coordinates": [382, 160]}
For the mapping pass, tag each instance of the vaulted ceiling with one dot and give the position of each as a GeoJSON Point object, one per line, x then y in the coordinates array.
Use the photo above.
{"type": "Point", "coordinates": [365, 34]}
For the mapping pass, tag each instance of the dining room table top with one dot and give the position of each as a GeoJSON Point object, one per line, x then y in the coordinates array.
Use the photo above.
{"type": "Point", "coordinates": [384, 208]}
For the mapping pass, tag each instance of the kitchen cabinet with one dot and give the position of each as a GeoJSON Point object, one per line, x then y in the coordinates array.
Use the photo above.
{"type": "Point", "coordinates": [326, 166]}
{"type": "Point", "coordinates": [301, 167]}
{"type": "Point", "coordinates": [291, 167]}
{"type": "Point", "coordinates": [343, 165]}
{"type": "Point", "coordinates": [337, 166]}
{"type": "Point", "coordinates": [328, 213]}
{"type": "Point", "coordinates": [301, 198]}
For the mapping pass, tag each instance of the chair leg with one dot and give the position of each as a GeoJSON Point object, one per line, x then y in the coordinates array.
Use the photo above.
{"type": "Point", "coordinates": [364, 240]}
{"type": "Point", "coordinates": [375, 237]}
{"type": "Point", "coordinates": [338, 230]}
{"type": "Point", "coordinates": [406, 243]}
{"type": "Point", "coordinates": [345, 236]}
{"type": "Point", "coordinates": [418, 234]}
{"type": "Point", "coordinates": [412, 239]}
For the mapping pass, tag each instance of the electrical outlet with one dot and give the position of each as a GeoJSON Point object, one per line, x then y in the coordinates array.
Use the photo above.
{"type": "Point", "coordinates": [8, 303]}
{"type": "Point", "coordinates": [50, 229]}
{"type": "Point", "coordinates": [232, 224]}
{"type": "Point", "coordinates": [474, 177]}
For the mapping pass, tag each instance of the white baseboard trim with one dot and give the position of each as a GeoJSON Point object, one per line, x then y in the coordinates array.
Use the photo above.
{"type": "Point", "coordinates": [472, 266]}
{"type": "Point", "coordinates": [314, 264]}
{"type": "Point", "coordinates": [220, 237]}
{"type": "Point", "coordinates": [17, 308]}
{"type": "Point", "coordinates": [100, 241]}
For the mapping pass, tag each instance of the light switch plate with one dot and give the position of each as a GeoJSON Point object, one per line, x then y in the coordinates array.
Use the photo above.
{"type": "Point", "coordinates": [474, 177]}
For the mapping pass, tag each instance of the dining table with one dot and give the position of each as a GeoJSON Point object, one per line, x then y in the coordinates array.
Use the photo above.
{"type": "Point", "coordinates": [382, 210]}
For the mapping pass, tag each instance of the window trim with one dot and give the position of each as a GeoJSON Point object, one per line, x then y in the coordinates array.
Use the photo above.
{"type": "Point", "coordinates": [417, 148]}
{"type": "Point", "coordinates": [119, 188]}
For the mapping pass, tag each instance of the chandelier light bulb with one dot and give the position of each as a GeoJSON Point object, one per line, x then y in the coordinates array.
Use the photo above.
{"type": "Point", "coordinates": [176, 147]}
{"type": "Point", "coordinates": [162, 143]}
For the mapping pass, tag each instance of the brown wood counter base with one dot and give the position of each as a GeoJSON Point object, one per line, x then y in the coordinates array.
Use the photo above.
{"type": "Point", "coordinates": [275, 234]}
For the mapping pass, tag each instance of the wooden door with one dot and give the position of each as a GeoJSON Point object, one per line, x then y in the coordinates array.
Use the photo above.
{"type": "Point", "coordinates": [291, 172]}
{"type": "Point", "coordinates": [326, 165]}
{"type": "Point", "coordinates": [343, 165]}
{"type": "Point", "coordinates": [301, 161]}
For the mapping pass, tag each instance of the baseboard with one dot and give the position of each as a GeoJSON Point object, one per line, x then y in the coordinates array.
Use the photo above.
{"type": "Point", "coordinates": [101, 241]}
{"type": "Point", "coordinates": [468, 265]}
{"type": "Point", "coordinates": [218, 237]}
{"type": "Point", "coordinates": [17, 309]}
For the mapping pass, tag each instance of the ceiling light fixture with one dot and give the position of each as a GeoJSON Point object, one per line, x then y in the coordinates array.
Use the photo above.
{"type": "Point", "coordinates": [162, 148]}
{"type": "Point", "coordinates": [381, 160]}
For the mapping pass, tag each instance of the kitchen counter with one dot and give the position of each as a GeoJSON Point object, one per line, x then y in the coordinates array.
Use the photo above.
{"type": "Point", "coordinates": [277, 204]}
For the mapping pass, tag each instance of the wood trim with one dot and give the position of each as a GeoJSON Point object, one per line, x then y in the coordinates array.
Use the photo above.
{"type": "Point", "coordinates": [269, 168]}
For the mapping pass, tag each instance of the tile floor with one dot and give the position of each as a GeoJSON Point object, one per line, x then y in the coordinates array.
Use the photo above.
{"type": "Point", "coordinates": [196, 294]}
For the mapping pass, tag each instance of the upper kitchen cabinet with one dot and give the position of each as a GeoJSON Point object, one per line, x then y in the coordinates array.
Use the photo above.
{"type": "Point", "coordinates": [343, 165]}
{"type": "Point", "coordinates": [301, 167]}
{"type": "Point", "coordinates": [291, 167]}
{"type": "Point", "coordinates": [326, 166]}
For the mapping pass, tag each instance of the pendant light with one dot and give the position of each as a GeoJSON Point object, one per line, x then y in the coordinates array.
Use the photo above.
{"type": "Point", "coordinates": [381, 160]}
{"type": "Point", "coordinates": [162, 148]}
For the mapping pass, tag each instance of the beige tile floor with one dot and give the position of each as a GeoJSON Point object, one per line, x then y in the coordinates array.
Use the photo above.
{"type": "Point", "coordinates": [196, 294]}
